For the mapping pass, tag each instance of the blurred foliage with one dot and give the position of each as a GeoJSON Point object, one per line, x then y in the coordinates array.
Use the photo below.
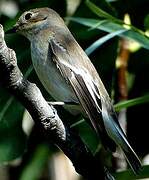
{"type": "Point", "coordinates": [97, 26]}
{"type": "Point", "coordinates": [38, 161]}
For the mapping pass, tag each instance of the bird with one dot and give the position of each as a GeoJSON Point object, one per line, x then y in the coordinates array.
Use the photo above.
{"type": "Point", "coordinates": [69, 76]}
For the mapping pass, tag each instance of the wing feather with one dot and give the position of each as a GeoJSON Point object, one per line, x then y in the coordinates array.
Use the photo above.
{"type": "Point", "coordinates": [84, 88]}
{"type": "Point", "coordinates": [91, 93]}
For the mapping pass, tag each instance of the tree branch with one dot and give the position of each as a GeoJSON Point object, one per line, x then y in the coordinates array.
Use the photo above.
{"type": "Point", "coordinates": [46, 117]}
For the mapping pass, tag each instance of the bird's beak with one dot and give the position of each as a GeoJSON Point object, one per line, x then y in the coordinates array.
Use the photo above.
{"type": "Point", "coordinates": [12, 30]}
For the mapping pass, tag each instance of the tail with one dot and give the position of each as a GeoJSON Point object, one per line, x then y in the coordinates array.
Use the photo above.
{"type": "Point", "coordinates": [133, 160]}
{"type": "Point", "coordinates": [116, 133]}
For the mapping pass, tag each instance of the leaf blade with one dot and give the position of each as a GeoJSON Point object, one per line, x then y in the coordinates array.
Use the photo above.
{"type": "Point", "coordinates": [132, 102]}
{"type": "Point", "coordinates": [102, 40]}
{"type": "Point", "coordinates": [109, 26]}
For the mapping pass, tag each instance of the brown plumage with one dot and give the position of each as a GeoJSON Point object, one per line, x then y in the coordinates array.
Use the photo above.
{"type": "Point", "coordinates": [68, 75]}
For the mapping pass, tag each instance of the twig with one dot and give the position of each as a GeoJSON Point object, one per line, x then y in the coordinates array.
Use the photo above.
{"type": "Point", "coordinates": [123, 60]}
{"type": "Point", "coordinates": [123, 57]}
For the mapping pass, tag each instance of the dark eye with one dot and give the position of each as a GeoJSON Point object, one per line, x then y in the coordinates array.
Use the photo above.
{"type": "Point", "coordinates": [28, 16]}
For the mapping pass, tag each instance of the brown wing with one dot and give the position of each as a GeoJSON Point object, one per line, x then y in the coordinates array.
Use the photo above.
{"type": "Point", "coordinates": [83, 86]}
{"type": "Point", "coordinates": [79, 72]}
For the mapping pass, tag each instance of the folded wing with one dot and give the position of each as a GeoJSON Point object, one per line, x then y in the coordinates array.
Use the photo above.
{"type": "Point", "coordinates": [94, 100]}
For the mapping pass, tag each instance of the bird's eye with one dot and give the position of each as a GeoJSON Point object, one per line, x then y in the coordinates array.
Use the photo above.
{"type": "Point", "coordinates": [28, 16]}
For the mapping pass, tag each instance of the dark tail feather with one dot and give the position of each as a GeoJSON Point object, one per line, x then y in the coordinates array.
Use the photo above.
{"type": "Point", "coordinates": [133, 160]}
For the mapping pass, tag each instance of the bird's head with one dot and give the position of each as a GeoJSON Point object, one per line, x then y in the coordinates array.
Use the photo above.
{"type": "Point", "coordinates": [35, 20]}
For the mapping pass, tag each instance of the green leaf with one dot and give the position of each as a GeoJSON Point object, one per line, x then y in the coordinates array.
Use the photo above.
{"type": "Point", "coordinates": [88, 135]}
{"type": "Point", "coordinates": [146, 22]}
{"type": "Point", "coordinates": [109, 26]}
{"type": "Point", "coordinates": [102, 40]}
{"type": "Point", "coordinates": [28, 72]}
{"type": "Point", "coordinates": [12, 137]}
{"type": "Point", "coordinates": [132, 102]}
{"type": "Point", "coordinates": [101, 13]}
{"type": "Point", "coordinates": [129, 175]}
{"type": "Point", "coordinates": [33, 169]}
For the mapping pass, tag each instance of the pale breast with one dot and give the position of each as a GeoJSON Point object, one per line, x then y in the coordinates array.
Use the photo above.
{"type": "Point", "coordinates": [49, 75]}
